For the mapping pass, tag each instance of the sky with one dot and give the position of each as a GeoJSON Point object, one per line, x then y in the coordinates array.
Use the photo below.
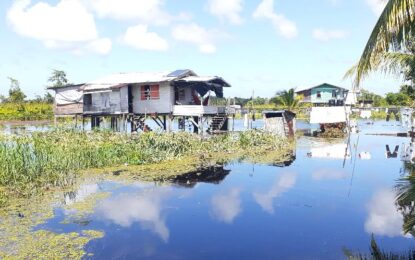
{"type": "Point", "coordinates": [258, 46]}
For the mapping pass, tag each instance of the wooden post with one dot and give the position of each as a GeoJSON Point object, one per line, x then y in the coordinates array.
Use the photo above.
{"type": "Point", "coordinates": [165, 122]}
{"type": "Point", "coordinates": [170, 122]}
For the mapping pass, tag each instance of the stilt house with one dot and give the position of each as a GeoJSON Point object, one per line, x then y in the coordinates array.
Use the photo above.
{"type": "Point", "coordinates": [133, 97]}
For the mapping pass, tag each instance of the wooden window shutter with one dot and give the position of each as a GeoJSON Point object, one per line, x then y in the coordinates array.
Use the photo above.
{"type": "Point", "coordinates": [155, 92]}
{"type": "Point", "coordinates": [143, 93]}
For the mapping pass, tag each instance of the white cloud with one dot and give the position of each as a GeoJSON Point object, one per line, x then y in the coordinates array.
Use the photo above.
{"type": "Point", "coordinates": [226, 207]}
{"type": "Point", "coordinates": [284, 26]}
{"type": "Point", "coordinates": [226, 10]}
{"type": "Point", "coordinates": [67, 25]}
{"type": "Point", "coordinates": [100, 46]}
{"type": "Point", "coordinates": [140, 38]}
{"type": "Point", "coordinates": [384, 219]}
{"type": "Point", "coordinates": [195, 34]}
{"type": "Point", "coordinates": [147, 11]}
{"type": "Point", "coordinates": [283, 184]}
{"type": "Point", "coordinates": [328, 35]}
{"type": "Point", "coordinates": [377, 6]}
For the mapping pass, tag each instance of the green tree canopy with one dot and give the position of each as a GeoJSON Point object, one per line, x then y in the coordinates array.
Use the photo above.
{"type": "Point", "coordinates": [288, 99]}
{"type": "Point", "coordinates": [16, 95]}
{"type": "Point", "coordinates": [58, 79]}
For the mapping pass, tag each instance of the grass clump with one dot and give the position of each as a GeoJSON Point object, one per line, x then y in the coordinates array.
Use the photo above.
{"type": "Point", "coordinates": [26, 111]}
{"type": "Point", "coordinates": [49, 159]}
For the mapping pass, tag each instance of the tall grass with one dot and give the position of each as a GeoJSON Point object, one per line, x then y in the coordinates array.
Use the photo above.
{"type": "Point", "coordinates": [25, 111]}
{"type": "Point", "coordinates": [52, 158]}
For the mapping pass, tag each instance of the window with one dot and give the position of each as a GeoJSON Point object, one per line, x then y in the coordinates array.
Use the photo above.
{"type": "Point", "coordinates": [87, 99]}
{"type": "Point", "coordinates": [334, 94]}
{"type": "Point", "coordinates": [150, 92]}
{"type": "Point", "coordinates": [318, 94]}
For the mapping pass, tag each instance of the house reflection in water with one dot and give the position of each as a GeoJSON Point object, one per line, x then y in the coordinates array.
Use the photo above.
{"type": "Point", "coordinates": [290, 160]}
{"type": "Point", "coordinates": [334, 151]}
{"type": "Point", "coordinates": [214, 174]}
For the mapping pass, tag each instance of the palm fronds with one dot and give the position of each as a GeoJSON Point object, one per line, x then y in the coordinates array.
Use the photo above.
{"type": "Point", "coordinates": [391, 32]}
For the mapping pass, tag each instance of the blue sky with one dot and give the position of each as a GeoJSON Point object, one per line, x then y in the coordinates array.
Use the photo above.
{"type": "Point", "coordinates": [256, 45]}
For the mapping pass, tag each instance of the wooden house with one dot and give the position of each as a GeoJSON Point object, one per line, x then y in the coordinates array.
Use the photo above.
{"type": "Point", "coordinates": [280, 122]}
{"type": "Point", "coordinates": [324, 95]}
{"type": "Point", "coordinates": [160, 96]}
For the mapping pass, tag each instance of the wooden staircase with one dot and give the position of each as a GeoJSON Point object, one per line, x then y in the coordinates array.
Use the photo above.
{"type": "Point", "coordinates": [217, 123]}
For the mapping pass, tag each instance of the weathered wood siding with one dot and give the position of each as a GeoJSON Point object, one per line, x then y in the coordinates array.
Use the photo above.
{"type": "Point", "coordinates": [124, 99]}
{"type": "Point", "coordinates": [70, 109]}
{"type": "Point", "coordinates": [163, 105]}
{"type": "Point", "coordinates": [106, 103]}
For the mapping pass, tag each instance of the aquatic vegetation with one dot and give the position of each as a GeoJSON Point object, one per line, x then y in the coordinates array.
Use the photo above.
{"type": "Point", "coordinates": [25, 111]}
{"type": "Point", "coordinates": [44, 160]}
{"type": "Point", "coordinates": [21, 235]}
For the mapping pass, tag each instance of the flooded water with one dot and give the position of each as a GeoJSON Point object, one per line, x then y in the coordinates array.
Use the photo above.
{"type": "Point", "coordinates": [324, 204]}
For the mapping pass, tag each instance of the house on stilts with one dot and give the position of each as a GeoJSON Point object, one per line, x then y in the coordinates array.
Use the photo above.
{"type": "Point", "coordinates": [127, 100]}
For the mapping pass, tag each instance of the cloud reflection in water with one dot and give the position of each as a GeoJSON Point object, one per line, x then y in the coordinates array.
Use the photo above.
{"type": "Point", "coordinates": [144, 207]}
{"type": "Point", "coordinates": [226, 206]}
{"type": "Point", "coordinates": [283, 183]}
{"type": "Point", "coordinates": [384, 219]}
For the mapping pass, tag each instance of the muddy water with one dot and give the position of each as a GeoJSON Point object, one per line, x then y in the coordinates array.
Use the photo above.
{"type": "Point", "coordinates": [325, 204]}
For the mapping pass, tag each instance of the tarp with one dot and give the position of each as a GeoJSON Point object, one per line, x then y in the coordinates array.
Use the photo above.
{"type": "Point", "coordinates": [68, 96]}
{"type": "Point", "coordinates": [329, 115]}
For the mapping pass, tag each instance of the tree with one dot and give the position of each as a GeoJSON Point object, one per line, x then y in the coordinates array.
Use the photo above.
{"type": "Point", "coordinates": [288, 99]}
{"type": "Point", "coordinates": [48, 98]}
{"type": "Point", "coordinates": [16, 95]}
{"type": "Point", "coordinates": [378, 101]}
{"type": "Point", "coordinates": [397, 99]}
{"type": "Point", "coordinates": [392, 31]}
{"type": "Point", "coordinates": [58, 79]}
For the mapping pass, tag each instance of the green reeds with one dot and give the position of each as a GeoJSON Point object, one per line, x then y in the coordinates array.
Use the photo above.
{"type": "Point", "coordinates": [47, 159]}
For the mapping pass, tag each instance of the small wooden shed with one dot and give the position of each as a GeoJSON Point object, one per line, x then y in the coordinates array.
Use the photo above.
{"type": "Point", "coordinates": [68, 100]}
{"type": "Point", "coordinates": [281, 122]}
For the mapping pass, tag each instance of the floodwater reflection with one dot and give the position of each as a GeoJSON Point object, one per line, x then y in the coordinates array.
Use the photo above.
{"type": "Point", "coordinates": [384, 219]}
{"type": "Point", "coordinates": [282, 184]}
{"type": "Point", "coordinates": [215, 174]}
{"type": "Point", "coordinates": [226, 206]}
{"type": "Point", "coordinates": [144, 207]}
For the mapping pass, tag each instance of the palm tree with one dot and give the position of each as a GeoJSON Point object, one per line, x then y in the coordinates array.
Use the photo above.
{"type": "Point", "coordinates": [288, 99]}
{"type": "Point", "coordinates": [391, 33]}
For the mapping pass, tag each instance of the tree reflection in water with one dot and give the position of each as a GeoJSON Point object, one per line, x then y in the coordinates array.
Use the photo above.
{"type": "Point", "coordinates": [377, 253]}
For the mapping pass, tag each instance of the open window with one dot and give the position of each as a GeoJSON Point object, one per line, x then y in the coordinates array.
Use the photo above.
{"type": "Point", "coordinates": [150, 92]}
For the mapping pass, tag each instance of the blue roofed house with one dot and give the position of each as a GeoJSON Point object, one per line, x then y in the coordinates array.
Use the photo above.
{"type": "Point", "coordinates": [324, 94]}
